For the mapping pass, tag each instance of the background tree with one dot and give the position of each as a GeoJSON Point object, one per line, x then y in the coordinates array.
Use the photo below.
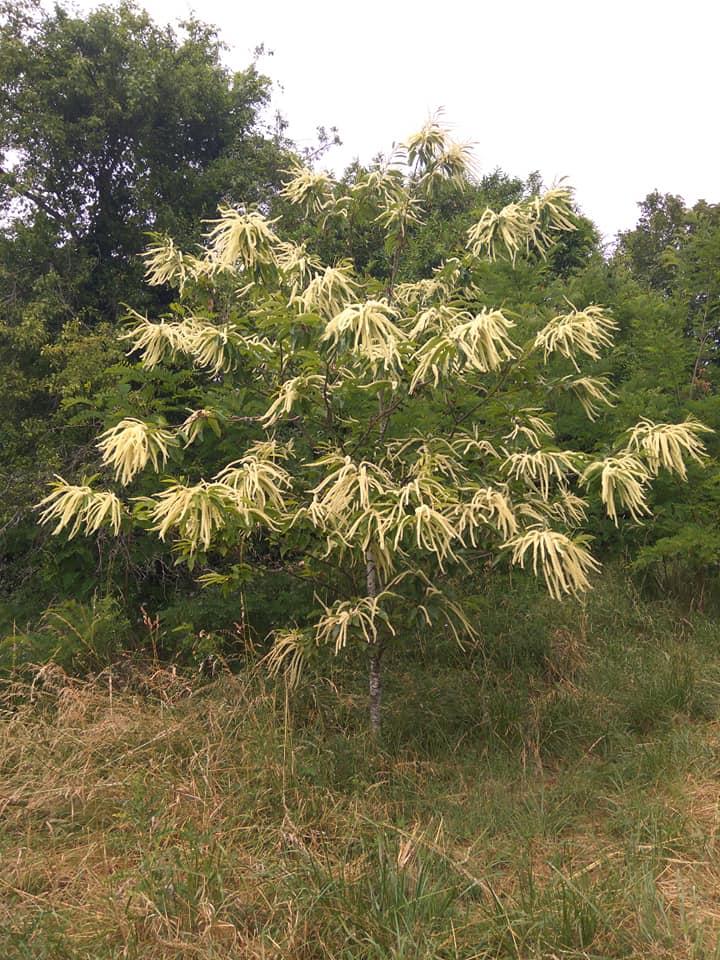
{"type": "Point", "coordinates": [665, 281]}
{"type": "Point", "coordinates": [110, 126]}
{"type": "Point", "coordinates": [662, 224]}
{"type": "Point", "coordinates": [393, 432]}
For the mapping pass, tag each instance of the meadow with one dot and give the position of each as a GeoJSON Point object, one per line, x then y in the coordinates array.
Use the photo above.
{"type": "Point", "coordinates": [549, 792]}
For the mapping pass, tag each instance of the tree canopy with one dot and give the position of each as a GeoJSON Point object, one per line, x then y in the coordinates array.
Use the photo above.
{"type": "Point", "coordinates": [389, 430]}
{"type": "Point", "coordinates": [111, 126]}
{"type": "Point", "coordinates": [375, 349]}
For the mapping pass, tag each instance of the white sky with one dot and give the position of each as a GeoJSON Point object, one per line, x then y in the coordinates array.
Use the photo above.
{"type": "Point", "coordinates": [620, 96]}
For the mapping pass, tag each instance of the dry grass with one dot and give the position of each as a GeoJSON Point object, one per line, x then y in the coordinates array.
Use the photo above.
{"type": "Point", "coordinates": [161, 818]}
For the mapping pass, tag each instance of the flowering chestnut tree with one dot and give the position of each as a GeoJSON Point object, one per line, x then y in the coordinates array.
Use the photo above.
{"type": "Point", "coordinates": [396, 430]}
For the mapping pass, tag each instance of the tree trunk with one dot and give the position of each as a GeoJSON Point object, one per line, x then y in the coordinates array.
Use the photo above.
{"type": "Point", "coordinates": [375, 652]}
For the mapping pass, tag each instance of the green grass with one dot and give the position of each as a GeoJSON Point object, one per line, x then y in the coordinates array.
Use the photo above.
{"type": "Point", "coordinates": [552, 792]}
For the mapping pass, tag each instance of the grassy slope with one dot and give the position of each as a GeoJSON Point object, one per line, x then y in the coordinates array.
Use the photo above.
{"type": "Point", "coordinates": [553, 794]}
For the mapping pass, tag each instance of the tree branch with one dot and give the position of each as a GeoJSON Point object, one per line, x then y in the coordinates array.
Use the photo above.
{"type": "Point", "coordinates": [39, 201]}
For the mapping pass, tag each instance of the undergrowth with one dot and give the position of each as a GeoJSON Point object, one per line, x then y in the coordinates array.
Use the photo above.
{"type": "Point", "coordinates": [550, 792]}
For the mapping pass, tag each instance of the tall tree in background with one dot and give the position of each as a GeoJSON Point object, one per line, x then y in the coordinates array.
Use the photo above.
{"type": "Point", "coordinates": [666, 296]}
{"type": "Point", "coordinates": [110, 126]}
{"type": "Point", "coordinates": [662, 224]}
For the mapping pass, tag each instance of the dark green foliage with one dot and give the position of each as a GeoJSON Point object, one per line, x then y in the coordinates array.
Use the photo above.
{"type": "Point", "coordinates": [664, 286]}
{"type": "Point", "coordinates": [79, 637]}
{"type": "Point", "coordinates": [110, 126]}
{"type": "Point", "coordinates": [533, 792]}
{"type": "Point", "coordinates": [662, 225]}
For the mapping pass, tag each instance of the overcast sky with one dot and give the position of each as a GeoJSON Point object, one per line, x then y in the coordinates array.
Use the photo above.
{"type": "Point", "coordinates": [620, 96]}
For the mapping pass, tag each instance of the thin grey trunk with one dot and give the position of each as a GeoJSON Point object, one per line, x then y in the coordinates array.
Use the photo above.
{"type": "Point", "coordinates": [375, 652]}
{"type": "Point", "coordinates": [371, 579]}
